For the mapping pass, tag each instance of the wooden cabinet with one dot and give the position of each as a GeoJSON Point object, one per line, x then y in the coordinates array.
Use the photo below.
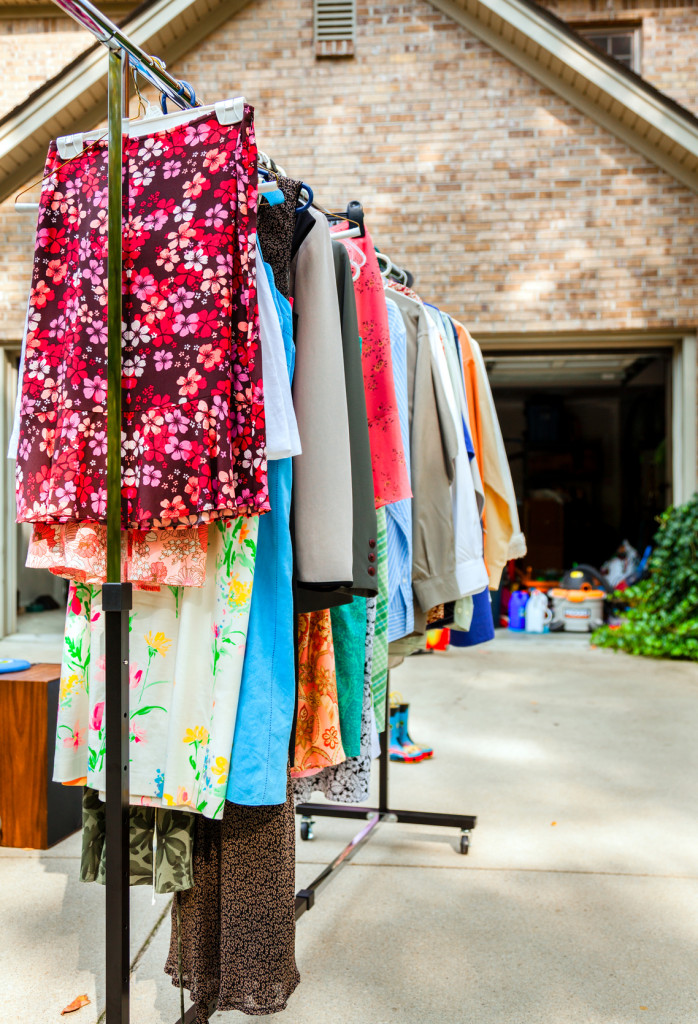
{"type": "Point", "coordinates": [34, 811]}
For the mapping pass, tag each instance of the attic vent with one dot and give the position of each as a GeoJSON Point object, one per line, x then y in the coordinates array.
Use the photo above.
{"type": "Point", "coordinates": [335, 27]}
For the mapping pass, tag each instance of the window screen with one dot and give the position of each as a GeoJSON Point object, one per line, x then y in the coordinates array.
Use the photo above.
{"type": "Point", "coordinates": [623, 44]}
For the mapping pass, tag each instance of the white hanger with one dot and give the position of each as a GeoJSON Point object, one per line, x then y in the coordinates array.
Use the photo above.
{"type": "Point", "coordinates": [347, 233]}
{"type": "Point", "coordinates": [358, 260]}
{"type": "Point", "coordinates": [380, 256]}
{"type": "Point", "coordinates": [266, 161]}
{"type": "Point", "coordinates": [227, 111]}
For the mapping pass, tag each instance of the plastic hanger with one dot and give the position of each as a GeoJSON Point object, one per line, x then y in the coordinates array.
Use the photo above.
{"type": "Point", "coordinates": [354, 232]}
{"type": "Point", "coordinates": [357, 257]}
{"type": "Point", "coordinates": [309, 191]}
{"type": "Point", "coordinates": [227, 111]}
{"type": "Point", "coordinates": [382, 258]}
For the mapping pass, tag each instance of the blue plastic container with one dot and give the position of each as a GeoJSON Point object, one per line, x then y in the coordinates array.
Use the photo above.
{"type": "Point", "coordinates": [517, 611]}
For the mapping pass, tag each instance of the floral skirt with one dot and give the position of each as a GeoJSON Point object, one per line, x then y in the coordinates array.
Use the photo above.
{"type": "Point", "coordinates": [187, 653]}
{"type": "Point", "coordinates": [192, 403]}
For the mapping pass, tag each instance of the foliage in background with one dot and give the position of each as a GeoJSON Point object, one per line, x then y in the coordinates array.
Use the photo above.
{"type": "Point", "coordinates": [662, 620]}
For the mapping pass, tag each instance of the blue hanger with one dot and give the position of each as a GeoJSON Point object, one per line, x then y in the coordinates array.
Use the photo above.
{"type": "Point", "coordinates": [308, 189]}
{"type": "Point", "coordinates": [183, 88]}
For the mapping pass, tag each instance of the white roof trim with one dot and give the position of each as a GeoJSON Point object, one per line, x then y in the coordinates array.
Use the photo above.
{"type": "Point", "coordinates": [480, 17]}
{"type": "Point", "coordinates": [89, 71]}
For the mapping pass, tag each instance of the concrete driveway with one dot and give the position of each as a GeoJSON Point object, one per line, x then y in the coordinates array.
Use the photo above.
{"type": "Point", "coordinates": [578, 903]}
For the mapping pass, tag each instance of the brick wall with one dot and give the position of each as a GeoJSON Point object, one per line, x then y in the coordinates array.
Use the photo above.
{"type": "Point", "coordinates": [514, 211]}
{"type": "Point", "coordinates": [668, 33]}
{"type": "Point", "coordinates": [32, 50]}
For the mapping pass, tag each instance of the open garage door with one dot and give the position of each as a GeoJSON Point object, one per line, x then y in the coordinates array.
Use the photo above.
{"type": "Point", "coordinates": [591, 437]}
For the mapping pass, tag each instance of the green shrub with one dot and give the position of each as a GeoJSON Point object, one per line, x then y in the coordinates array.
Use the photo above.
{"type": "Point", "coordinates": [662, 620]}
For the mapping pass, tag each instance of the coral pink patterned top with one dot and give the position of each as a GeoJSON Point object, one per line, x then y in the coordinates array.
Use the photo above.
{"type": "Point", "coordinates": [193, 414]}
{"type": "Point", "coordinates": [390, 477]}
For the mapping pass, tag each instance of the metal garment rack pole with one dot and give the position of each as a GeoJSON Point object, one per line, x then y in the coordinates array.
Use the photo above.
{"type": "Point", "coordinates": [103, 29]}
{"type": "Point", "coordinates": [116, 595]}
{"type": "Point", "coordinates": [305, 899]}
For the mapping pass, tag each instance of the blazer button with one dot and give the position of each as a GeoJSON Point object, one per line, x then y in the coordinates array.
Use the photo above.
{"type": "Point", "coordinates": [371, 570]}
{"type": "Point", "coordinates": [372, 543]}
{"type": "Point", "coordinates": [371, 557]}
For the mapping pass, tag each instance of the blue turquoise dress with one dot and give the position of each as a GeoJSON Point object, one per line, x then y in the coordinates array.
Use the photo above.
{"type": "Point", "coordinates": [259, 759]}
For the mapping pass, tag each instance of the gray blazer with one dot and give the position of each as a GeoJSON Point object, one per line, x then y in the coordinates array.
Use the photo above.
{"type": "Point", "coordinates": [433, 449]}
{"type": "Point", "coordinates": [322, 489]}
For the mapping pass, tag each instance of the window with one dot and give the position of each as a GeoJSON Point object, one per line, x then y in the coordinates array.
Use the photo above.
{"type": "Point", "coordinates": [335, 27]}
{"type": "Point", "coordinates": [621, 43]}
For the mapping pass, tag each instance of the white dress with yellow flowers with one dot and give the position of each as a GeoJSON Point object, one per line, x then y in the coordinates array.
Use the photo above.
{"type": "Point", "coordinates": [187, 647]}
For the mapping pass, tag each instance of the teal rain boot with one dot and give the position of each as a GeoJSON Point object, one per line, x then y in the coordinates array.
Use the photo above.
{"type": "Point", "coordinates": [398, 729]}
{"type": "Point", "coordinates": [412, 751]}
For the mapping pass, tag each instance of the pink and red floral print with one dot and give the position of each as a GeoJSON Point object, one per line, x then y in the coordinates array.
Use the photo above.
{"type": "Point", "coordinates": [193, 435]}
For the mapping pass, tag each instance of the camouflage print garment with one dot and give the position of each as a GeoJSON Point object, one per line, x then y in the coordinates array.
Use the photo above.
{"type": "Point", "coordinates": [173, 832]}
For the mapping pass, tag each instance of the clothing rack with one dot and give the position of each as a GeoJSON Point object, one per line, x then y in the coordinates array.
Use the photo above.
{"type": "Point", "coordinates": [125, 55]}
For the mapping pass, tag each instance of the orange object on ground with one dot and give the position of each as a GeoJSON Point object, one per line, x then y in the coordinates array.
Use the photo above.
{"type": "Point", "coordinates": [438, 639]}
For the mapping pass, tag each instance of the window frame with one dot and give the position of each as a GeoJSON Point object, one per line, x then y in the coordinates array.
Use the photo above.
{"type": "Point", "coordinates": [615, 28]}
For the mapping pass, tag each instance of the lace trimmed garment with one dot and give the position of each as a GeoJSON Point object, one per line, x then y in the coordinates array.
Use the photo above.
{"type": "Point", "coordinates": [193, 414]}
{"type": "Point", "coordinates": [187, 651]}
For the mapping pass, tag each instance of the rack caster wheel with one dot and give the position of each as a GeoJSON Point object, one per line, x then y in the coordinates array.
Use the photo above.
{"type": "Point", "coordinates": [464, 842]}
{"type": "Point", "coordinates": [307, 829]}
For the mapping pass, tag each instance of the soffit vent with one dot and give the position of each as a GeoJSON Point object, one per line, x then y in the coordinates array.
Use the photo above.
{"type": "Point", "coordinates": [335, 27]}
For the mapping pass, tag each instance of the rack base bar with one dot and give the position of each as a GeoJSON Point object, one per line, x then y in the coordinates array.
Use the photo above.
{"type": "Point", "coordinates": [465, 822]}
{"type": "Point", "coordinates": [305, 898]}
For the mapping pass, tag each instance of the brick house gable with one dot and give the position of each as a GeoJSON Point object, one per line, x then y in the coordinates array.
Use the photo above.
{"type": "Point", "coordinates": [515, 210]}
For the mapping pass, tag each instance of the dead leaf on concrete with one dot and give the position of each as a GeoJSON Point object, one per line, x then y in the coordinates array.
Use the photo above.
{"type": "Point", "coordinates": [76, 1004]}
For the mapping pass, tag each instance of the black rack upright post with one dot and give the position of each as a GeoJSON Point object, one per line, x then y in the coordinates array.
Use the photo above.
{"type": "Point", "coordinates": [116, 596]}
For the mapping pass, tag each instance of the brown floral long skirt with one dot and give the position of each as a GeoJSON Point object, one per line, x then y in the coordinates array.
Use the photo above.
{"type": "Point", "coordinates": [238, 921]}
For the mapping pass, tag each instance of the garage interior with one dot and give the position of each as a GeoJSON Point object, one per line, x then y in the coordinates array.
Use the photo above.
{"type": "Point", "coordinates": [588, 436]}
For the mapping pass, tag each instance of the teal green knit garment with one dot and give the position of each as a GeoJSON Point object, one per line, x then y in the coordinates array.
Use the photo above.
{"type": "Point", "coordinates": [349, 638]}
{"type": "Point", "coordinates": [379, 676]}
